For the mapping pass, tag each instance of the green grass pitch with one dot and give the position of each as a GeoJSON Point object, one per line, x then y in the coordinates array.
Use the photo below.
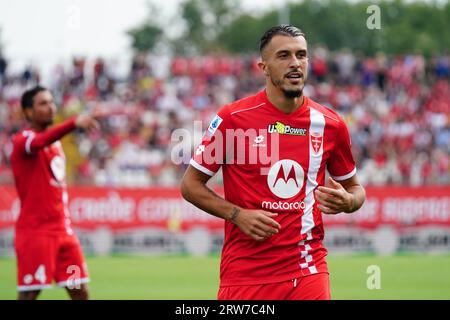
{"type": "Point", "coordinates": [186, 277]}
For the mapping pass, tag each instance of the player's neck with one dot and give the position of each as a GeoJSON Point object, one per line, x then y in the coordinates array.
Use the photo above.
{"type": "Point", "coordinates": [281, 102]}
{"type": "Point", "coordinates": [38, 127]}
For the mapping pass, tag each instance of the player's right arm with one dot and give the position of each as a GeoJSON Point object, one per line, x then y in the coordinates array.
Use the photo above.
{"type": "Point", "coordinates": [257, 224]}
{"type": "Point", "coordinates": [31, 141]}
{"type": "Point", "coordinates": [208, 158]}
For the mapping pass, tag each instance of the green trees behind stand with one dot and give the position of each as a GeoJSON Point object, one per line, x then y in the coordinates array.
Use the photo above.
{"type": "Point", "coordinates": [207, 25]}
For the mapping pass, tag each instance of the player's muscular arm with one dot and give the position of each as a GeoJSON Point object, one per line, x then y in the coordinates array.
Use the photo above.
{"type": "Point", "coordinates": [257, 224]}
{"type": "Point", "coordinates": [346, 196]}
{"type": "Point", "coordinates": [86, 121]}
{"type": "Point", "coordinates": [40, 140]}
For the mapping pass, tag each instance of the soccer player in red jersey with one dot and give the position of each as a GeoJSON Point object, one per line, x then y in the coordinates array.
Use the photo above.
{"type": "Point", "coordinates": [47, 248]}
{"type": "Point", "coordinates": [274, 148]}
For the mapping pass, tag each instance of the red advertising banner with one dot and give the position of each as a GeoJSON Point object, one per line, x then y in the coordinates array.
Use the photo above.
{"type": "Point", "coordinates": [92, 207]}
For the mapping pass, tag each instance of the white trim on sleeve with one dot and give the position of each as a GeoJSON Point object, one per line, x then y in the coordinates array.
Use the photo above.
{"type": "Point", "coordinates": [201, 168]}
{"type": "Point", "coordinates": [28, 143]}
{"type": "Point", "coordinates": [345, 177]}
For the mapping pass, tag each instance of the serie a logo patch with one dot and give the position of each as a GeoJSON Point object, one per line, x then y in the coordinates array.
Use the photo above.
{"type": "Point", "coordinates": [215, 123]}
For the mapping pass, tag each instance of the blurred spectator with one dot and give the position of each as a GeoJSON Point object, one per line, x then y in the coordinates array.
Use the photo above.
{"type": "Point", "coordinates": [3, 65]}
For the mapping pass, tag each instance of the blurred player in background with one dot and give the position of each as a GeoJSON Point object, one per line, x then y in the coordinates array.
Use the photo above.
{"type": "Point", "coordinates": [47, 248]}
{"type": "Point", "coordinates": [273, 231]}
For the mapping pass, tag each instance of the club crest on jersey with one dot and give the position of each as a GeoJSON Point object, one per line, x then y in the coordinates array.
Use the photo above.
{"type": "Point", "coordinates": [316, 141]}
{"type": "Point", "coordinates": [281, 128]}
{"type": "Point", "coordinates": [215, 123]}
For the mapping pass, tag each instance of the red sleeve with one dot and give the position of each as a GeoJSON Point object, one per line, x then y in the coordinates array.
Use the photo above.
{"type": "Point", "coordinates": [341, 165]}
{"type": "Point", "coordinates": [33, 141]}
{"type": "Point", "coordinates": [211, 153]}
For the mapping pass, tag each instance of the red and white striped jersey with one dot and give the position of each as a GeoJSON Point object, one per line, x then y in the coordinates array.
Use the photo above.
{"type": "Point", "coordinates": [274, 161]}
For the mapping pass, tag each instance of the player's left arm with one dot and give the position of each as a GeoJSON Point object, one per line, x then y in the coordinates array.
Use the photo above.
{"type": "Point", "coordinates": [344, 196]}
{"type": "Point", "coordinates": [343, 193]}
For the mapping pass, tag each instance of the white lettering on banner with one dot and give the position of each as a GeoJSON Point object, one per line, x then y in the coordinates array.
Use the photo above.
{"type": "Point", "coordinates": [368, 213]}
{"type": "Point", "coordinates": [110, 209]}
{"type": "Point", "coordinates": [151, 209]}
{"type": "Point", "coordinates": [413, 210]}
{"type": "Point", "coordinates": [161, 209]}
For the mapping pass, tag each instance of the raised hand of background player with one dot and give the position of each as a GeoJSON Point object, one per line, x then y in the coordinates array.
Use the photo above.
{"type": "Point", "coordinates": [88, 121]}
{"type": "Point", "coordinates": [258, 224]}
{"type": "Point", "coordinates": [334, 199]}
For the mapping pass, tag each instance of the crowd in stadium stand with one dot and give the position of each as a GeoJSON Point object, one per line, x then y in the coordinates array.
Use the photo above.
{"type": "Point", "coordinates": [397, 109]}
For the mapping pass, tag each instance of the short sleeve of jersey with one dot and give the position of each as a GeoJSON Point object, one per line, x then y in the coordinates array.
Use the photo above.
{"type": "Point", "coordinates": [341, 165]}
{"type": "Point", "coordinates": [211, 153]}
{"type": "Point", "coordinates": [22, 142]}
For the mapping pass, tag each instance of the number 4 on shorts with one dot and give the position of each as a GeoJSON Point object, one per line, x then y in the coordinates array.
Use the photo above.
{"type": "Point", "coordinates": [39, 275]}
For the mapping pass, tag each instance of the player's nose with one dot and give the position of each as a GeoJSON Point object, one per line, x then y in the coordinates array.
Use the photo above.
{"type": "Point", "coordinates": [294, 63]}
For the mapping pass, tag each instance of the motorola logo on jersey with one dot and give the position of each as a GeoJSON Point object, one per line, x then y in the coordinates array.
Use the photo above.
{"type": "Point", "coordinates": [285, 178]}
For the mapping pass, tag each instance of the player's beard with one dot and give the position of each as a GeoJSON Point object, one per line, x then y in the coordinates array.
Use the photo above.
{"type": "Point", "coordinates": [46, 122]}
{"type": "Point", "coordinates": [289, 93]}
{"type": "Point", "coordinates": [41, 121]}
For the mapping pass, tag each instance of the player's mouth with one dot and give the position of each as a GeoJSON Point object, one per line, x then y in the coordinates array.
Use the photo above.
{"type": "Point", "coordinates": [294, 77]}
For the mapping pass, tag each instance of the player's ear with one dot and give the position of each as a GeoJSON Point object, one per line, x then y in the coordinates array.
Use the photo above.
{"type": "Point", "coordinates": [263, 67]}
